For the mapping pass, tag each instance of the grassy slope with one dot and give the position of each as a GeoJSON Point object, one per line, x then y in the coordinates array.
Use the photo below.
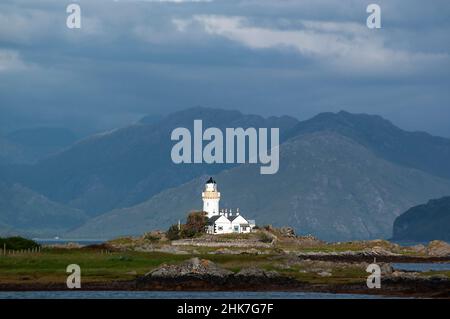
{"type": "Point", "coordinates": [97, 266]}
{"type": "Point", "coordinates": [125, 263]}
{"type": "Point", "coordinates": [50, 265]}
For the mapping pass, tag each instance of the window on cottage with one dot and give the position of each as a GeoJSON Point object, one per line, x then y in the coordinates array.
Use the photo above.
{"type": "Point", "coordinates": [220, 227]}
{"type": "Point", "coordinates": [236, 228]}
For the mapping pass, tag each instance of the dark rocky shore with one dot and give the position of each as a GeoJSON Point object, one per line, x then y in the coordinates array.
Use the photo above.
{"type": "Point", "coordinates": [362, 257]}
{"type": "Point", "coordinates": [196, 274]}
{"type": "Point", "coordinates": [203, 275]}
{"type": "Point", "coordinates": [392, 288]}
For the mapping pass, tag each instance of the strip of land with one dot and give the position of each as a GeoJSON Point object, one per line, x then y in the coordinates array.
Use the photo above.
{"type": "Point", "coordinates": [267, 260]}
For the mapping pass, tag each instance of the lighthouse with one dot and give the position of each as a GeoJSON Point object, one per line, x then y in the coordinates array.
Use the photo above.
{"type": "Point", "coordinates": [222, 222]}
{"type": "Point", "coordinates": [211, 198]}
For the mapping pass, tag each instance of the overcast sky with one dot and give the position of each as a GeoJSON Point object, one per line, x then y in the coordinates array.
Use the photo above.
{"type": "Point", "coordinates": [269, 57]}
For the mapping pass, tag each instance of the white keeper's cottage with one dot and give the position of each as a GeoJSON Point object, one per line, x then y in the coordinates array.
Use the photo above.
{"type": "Point", "coordinates": [222, 221]}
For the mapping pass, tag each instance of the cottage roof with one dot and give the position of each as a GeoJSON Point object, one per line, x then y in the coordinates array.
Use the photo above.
{"type": "Point", "coordinates": [232, 218]}
{"type": "Point", "coordinates": [213, 219]}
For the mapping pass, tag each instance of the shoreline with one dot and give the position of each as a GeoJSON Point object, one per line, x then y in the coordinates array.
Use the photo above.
{"type": "Point", "coordinates": [288, 263]}
{"type": "Point", "coordinates": [391, 287]}
{"type": "Point", "coordinates": [351, 290]}
{"type": "Point", "coordinates": [359, 258]}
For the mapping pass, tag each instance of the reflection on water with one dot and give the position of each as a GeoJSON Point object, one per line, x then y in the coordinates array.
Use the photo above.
{"type": "Point", "coordinates": [421, 266]}
{"type": "Point", "coordinates": [177, 295]}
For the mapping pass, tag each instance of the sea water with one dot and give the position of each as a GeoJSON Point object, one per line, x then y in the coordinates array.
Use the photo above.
{"type": "Point", "coordinates": [421, 267]}
{"type": "Point", "coordinates": [177, 295]}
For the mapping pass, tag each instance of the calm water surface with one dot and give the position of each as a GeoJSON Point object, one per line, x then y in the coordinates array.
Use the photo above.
{"type": "Point", "coordinates": [176, 295]}
{"type": "Point", "coordinates": [422, 266]}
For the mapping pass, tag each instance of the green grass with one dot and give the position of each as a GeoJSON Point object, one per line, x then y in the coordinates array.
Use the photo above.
{"type": "Point", "coordinates": [436, 272]}
{"type": "Point", "coordinates": [50, 265]}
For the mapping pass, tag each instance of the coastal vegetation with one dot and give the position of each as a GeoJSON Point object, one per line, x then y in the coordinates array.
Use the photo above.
{"type": "Point", "coordinates": [194, 227]}
{"type": "Point", "coordinates": [17, 243]}
{"type": "Point", "coordinates": [240, 261]}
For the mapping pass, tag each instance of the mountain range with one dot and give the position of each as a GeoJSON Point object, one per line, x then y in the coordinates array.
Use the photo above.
{"type": "Point", "coordinates": [127, 166]}
{"type": "Point", "coordinates": [25, 212]}
{"type": "Point", "coordinates": [425, 222]}
{"type": "Point", "coordinates": [27, 146]}
{"type": "Point", "coordinates": [342, 176]}
{"type": "Point", "coordinates": [418, 150]}
{"type": "Point", "coordinates": [327, 185]}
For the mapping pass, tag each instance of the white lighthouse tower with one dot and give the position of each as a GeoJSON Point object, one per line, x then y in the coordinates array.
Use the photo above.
{"type": "Point", "coordinates": [211, 198]}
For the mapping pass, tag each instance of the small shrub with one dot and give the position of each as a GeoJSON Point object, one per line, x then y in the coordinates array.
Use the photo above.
{"type": "Point", "coordinates": [195, 223]}
{"type": "Point", "coordinates": [152, 238]}
{"type": "Point", "coordinates": [195, 226]}
{"type": "Point", "coordinates": [18, 243]}
{"type": "Point", "coordinates": [173, 233]}
{"type": "Point", "coordinates": [263, 237]}
{"type": "Point", "coordinates": [188, 232]}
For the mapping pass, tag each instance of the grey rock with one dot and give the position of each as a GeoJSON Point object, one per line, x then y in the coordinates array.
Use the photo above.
{"type": "Point", "coordinates": [378, 251]}
{"type": "Point", "coordinates": [386, 268]}
{"type": "Point", "coordinates": [419, 248]}
{"type": "Point", "coordinates": [255, 272]}
{"type": "Point", "coordinates": [193, 267]}
{"type": "Point", "coordinates": [287, 232]}
{"type": "Point", "coordinates": [404, 274]}
{"type": "Point", "coordinates": [324, 274]}
{"type": "Point", "coordinates": [438, 248]}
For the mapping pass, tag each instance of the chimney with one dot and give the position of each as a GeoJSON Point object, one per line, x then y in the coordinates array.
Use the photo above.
{"type": "Point", "coordinates": [237, 212]}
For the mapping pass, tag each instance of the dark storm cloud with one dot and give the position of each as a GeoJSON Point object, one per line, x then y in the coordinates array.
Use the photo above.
{"type": "Point", "coordinates": [260, 56]}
